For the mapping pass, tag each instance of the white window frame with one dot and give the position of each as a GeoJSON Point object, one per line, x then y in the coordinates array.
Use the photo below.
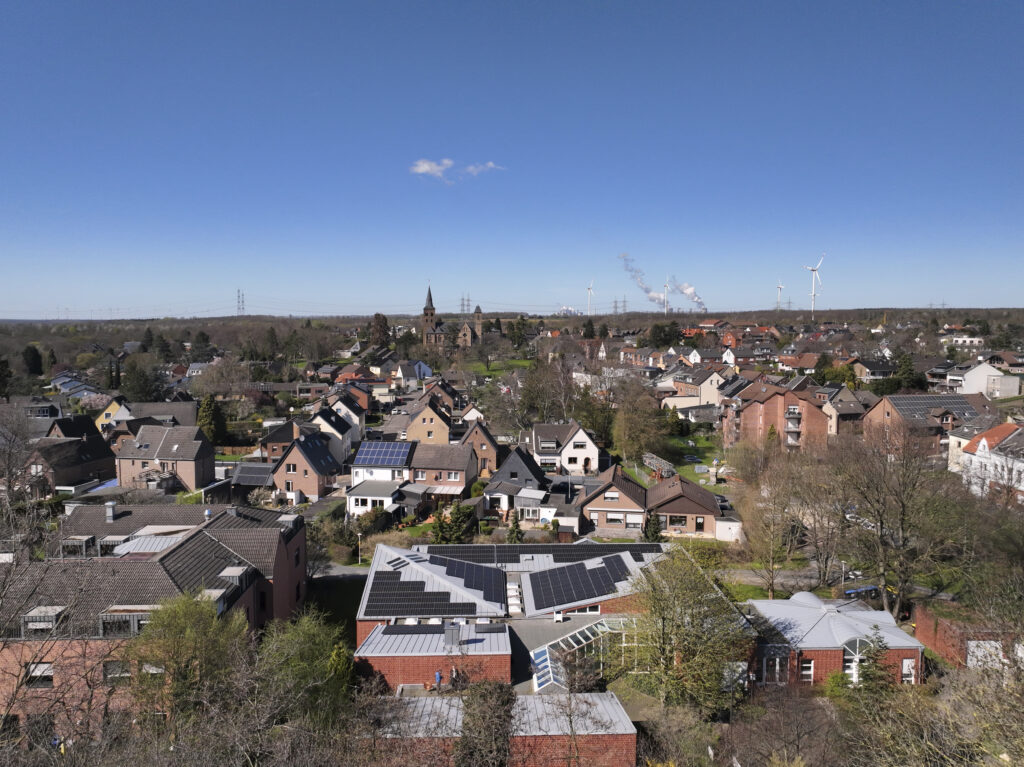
{"type": "Point", "coordinates": [807, 670]}
{"type": "Point", "coordinates": [39, 675]}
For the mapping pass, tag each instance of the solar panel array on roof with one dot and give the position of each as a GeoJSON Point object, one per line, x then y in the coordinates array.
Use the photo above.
{"type": "Point", "coordinates": [391, 596]}
{"type": "Point", "coordinates": [569, 584]}
{"type": "Point", "coordinates": [425, 628]}
{"type": "Point", "coordinates": [506, 554]}
{"type": "Point", "coordinates": [920, 405]}
{"type": "Point", "coordinates": [489, 580]}
{"type": "Point", "coordinates": [490, 628]}
{"type": "Point", "coordinates": [382, 454]}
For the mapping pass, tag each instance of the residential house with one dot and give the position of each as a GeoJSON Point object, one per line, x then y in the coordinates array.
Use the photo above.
{"type": "Point", "coordinates": [993, 463]}
{"type": "Point", "coordinates": [484, 445]}
{"type": "Point", "coordinates": [961, 435]}
{"type": "Point", "coordinates": [873, 370]}
{"type": "Point", "coordinates": [927, 418]}
{"type": "Point", "coordinates": [65, 462]}
{"type": "Point", "coordinates": [448, 470]}
{"type": "Point", "coordinates": [347, 404]}
{"type": "Point", "coordinates": [983, 378]}
{"type": "Point", "coordinates": [307, 469]}
{"type": "Point", "coordinates": [428, 423]}
{"type": "Point", "coordinates": [805, 638]}
{"type": "Point", "coordinates": [68, 619]}
{"type": "Point", "coordinates": [1010, 362]}
{"type": "Point", "coordinates": [166, 413]}
{"type": "Point", "coordinates": [370, 495]}
{"type": "Point", "coordinates": [620, 506]}
{"type": "Point", "coordinates": [564, 448]}
{"type": "Point", "coordinates": [795, 418]}
{"type": "Point", "coordinates": [280, 437]}
{"type": "Point", "coordinates": [167, 456]}
{"type": "Point", "coordinates": [382, 461]}
{"type": "Point", "coordinates": [339, 432]}
{"type": "Point", "coordinates": [118, 434]}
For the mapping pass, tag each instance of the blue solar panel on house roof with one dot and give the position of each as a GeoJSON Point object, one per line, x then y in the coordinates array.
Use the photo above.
{"type": "Point", "coordinates": [382, 454]}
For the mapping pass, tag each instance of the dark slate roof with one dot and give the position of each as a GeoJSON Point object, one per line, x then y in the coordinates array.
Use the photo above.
{"type": "Point", "coordinates": [75, 426]}
{"type": "Point", "coordinates": [285, 432]}
{"type": "Point", "coordinates": [316, 449]}
{"type": "Point", "coordinates": [334, 420]}
{"type": "Point", "coordinates": [522, 463]}
{"type": "Point", "coordinates": [62, 453]}
{"type": "Point", "coordinates": [195, 562]}
{"type": "Point", "coordinates": [677, 487]}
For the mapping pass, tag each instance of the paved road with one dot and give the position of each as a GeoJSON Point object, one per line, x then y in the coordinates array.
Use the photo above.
{"type": "Point", "coordinates": [790, 580]}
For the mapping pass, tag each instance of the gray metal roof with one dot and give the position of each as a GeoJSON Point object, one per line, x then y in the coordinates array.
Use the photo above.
{"type": "Point", "coordinates": [440, 716]}
{"type": "Point", "coordinates": [474, 639]}
{"type": "Point", "coordinates": [811, 623]}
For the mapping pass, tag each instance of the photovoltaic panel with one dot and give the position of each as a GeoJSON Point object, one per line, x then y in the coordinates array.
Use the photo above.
{"type": "Point", "coordinates": [392, 454]}
{"type": "Point", "coordinates": [428, 628]}
{"type": "Point", "coordinates": [561, 553]}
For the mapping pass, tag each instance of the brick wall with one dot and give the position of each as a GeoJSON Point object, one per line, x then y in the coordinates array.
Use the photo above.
{"type": "Point", "coordinates": [525, 751]}
{"type": "Point", "coordinates": [827, 662]}
{"type": "Point", "coordinates": [363, 629]}
{"type": "Point", "coordinates": [558, 750]}
{"type": "Point", "coordinates": [420, 669]}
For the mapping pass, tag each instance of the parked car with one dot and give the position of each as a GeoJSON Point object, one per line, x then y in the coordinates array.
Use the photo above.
{"type": "Point", "coordinates": [691, 458]}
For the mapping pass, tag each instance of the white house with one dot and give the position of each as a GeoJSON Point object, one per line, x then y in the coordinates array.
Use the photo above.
{"type": "Point", "coordinates": [371, 494]}
{"type": "Point", "coordinates": [993, 462]}
{"type": "Point", "coordinates": [985, 379]}
{"type": "Point", "coordinates": [564, 447]}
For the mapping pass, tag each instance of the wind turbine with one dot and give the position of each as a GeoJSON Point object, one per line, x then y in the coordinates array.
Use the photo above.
{"type": "Point", "coordinates": [590, 292]}
{"type": "Point", "coordinates": [814, 276]}
{"type": "Point", "coordinates": [778, 301]}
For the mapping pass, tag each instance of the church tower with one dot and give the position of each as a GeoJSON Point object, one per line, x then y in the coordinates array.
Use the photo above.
{"type": "Point", "coordinates": [428, 316]}
{"type": "Point", "coordinates": [478, 322]}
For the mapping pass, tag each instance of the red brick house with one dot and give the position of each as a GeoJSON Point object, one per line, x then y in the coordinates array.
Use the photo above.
{"type": "Point", "coordinates": [795, 418]}
{"type": "Point", "coordinates": [66, 620]}
{"type": "Point", "coordinates": [804, 639]}
{"type": "Point", "coordinates": [307, 469]}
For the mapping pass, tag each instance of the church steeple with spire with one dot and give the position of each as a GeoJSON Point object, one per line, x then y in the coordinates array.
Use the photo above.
{"type": "Point", "coordinates": [428, 318]}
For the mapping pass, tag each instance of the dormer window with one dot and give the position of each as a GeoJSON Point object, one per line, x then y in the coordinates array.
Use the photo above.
{"type": "Point", "coordinates": [42, 621]}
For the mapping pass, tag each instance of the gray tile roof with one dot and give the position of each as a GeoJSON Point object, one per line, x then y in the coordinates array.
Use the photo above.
{"type": "Point", "coordinates": [166, 443]}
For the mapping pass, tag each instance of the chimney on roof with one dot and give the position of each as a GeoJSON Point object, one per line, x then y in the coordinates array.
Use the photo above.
{"type": "Point", "coordinates": [207, 514]}
{"type": "Point", "coordinates": [111, 511]}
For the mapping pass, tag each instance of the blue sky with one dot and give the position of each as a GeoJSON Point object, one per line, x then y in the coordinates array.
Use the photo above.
{"type": "Point", "coordinates": [156, 157]}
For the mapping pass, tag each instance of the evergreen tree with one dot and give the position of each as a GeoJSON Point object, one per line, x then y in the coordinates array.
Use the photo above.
{"type": "Point", "coordinates": [270, 343]}
{"type": "Point", "coordinates": [380, 332]}
{"type": "Point", "coordinates": [211, 420]}
{"type": "Point", "coordinates": [117, 374]}
{"type": "Point", "coordinates": [5, 376]}
{"type": "Point", "coordinates": [138, 383]}
{"type": "Point", "coordinates": [163, 349]}
{"type": "Point", "coordinates": [652, 529]}
{"type": "Point", "coordinates": [515, 532]}
{"type": "Point", "coordinates": [109, 382]}
{"type": "Point", "coordinates": [51, 360]}
{"type": "Point", "coordinates": [588, 328]}
{"type": "Point", "coordinates": [147, 340]}
{"type": "Point", "coordinates": [602, 332]}
{"type": "Point", "coordinates": [33, 360]}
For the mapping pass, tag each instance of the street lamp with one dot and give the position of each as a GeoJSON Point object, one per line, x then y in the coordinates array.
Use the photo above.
{"type": "Point", "coordinates": [842, 582]}
{"type": "Point", "coordinates": [359, 545]}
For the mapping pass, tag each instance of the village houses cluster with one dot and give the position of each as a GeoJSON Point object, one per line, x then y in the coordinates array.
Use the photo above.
{"type": "Point", "coordinates": [397, 439]}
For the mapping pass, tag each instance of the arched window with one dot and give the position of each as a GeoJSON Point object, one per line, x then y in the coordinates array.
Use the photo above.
{"type": "Point", "coordinates": [853, 655]}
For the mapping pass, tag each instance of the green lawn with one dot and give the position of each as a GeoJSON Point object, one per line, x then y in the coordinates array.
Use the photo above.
{"type": "Point", "coordinates": [419, 531]}
{"type": "Point", "coordinates": [499, 367]}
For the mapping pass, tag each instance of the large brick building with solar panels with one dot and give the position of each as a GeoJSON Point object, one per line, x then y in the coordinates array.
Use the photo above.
{"type": "Point", "coordinates": [507, 608]}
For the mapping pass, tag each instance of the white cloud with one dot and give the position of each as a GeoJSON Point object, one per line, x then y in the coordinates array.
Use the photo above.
{"type": "Point", "coordinates": [476, 170]}
{"type": "Point", "coordinates": [426, 167]}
